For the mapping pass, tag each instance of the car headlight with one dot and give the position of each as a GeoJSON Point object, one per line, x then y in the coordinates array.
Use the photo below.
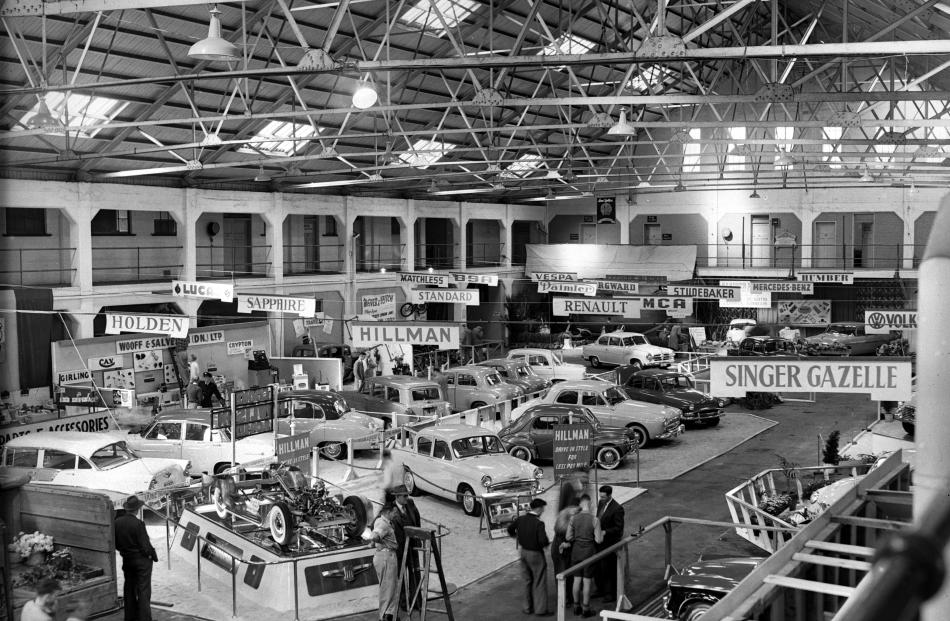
{"type": "Point", "coordinates": [722, 402]}
{"type": "Point", "coordinates": [187, 469]}
{"type": "Point", "coordinates": [538, 473]}
{"type": "Point", "coordinates": [688, 408]}
{"type": "Point", "coordinates": [649, 357]}
{"type": "Point", "coordinates": [486, 481]}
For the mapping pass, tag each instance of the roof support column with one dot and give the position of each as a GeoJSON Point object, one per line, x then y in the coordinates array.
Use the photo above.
{"type": "Point", "coordinates": [274, 235]}
{"type": "Point", "coordinates": [80, 237]}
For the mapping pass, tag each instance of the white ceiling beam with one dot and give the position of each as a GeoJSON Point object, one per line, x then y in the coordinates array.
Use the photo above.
{"type": "Point", "coordinates": [15, 8]}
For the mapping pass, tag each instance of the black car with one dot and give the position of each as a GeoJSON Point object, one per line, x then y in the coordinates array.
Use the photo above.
{"type": "Point", "coordinates": [764, 346]}
{"type": "Point", "coordinates": [700, 585]}
{"type": "Point", "coordinates": [670, 387]}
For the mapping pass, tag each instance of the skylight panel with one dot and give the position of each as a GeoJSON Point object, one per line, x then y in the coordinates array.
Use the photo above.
{"type": "Point", "coordinates": [423, 15]}
{"type": "Point", "coordinates": [424, 153]}
{"type": "Point", "coordinates": [80, 109]}
{"type": "Point", "coordinates": [691, 152]}
{"type": "Point", "coordinates": [568, 43]}
{"type": "Point", "coordinates": [647, 79]}
{"type": "Point", "coordinates": [737, 136]}
{"type": "Point", "coordinates": [523, 166]}
{"type": "Point", "coordinates": [267, 140]}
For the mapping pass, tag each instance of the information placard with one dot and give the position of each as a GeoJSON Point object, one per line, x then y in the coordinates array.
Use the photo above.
{"type": "Point", "coordinates": [294, 450]}
{"type": "Point", "coordinates": [254, 413]}
{"type": "Point", "coordinates": [573, 448]}
{"type": "Point", "coordinates": [500, 510]}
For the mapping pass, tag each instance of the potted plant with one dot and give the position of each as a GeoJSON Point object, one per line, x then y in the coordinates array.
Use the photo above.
{"type": "Point", "coordinates": [32, 548]}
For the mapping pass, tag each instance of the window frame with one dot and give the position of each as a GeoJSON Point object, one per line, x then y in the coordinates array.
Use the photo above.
{"type": "Point", "coordinates": [116, 221]}
{"type": "Point", "coordinates": [32, 230]}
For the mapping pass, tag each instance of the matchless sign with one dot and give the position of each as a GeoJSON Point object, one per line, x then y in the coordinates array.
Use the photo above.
{"type": "Point", "coordinates": [573, 448]}
{"type": "Point", "coordinates": [172, 325]}
{"type": "Point", "coordinates": [883, 321]}
{"type": "Point", "coordinates": [475, 279]}
{"type": "Point", "coordinates": [705, 293]}
{"type": "Point", "coordinates": [562, 276]}
{"type": "Point", "coordinates": [424, 278]}
{"type": "Point", "coordinates": [468, 297]}
{"type": "Point", "coordinates": [304, 307]}
{"type": "Point", "coordinates": [625, 307]}
{"type": "Point", "coordinates": [885, 379]}
{"type": "Point", "coordinates": [841, 278]}
{"type": "Point", "coordinates": [367, 335]}
{"type": "Point", "coordinates": [203, 290]}
{"type": "Point", "coordinates": [579, 288]}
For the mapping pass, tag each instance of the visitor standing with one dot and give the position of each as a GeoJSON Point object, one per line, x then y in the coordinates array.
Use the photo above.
{"type": "Point", "coordinates": [532, 540]}
{"type": "Point", "coordinates": [583, 535]}
{"type": "Point", "coordinates": [43, 606]}
{"type": "Point", "coordinates": [385, 563]}
{"type": "Point", "coordinates": [209, 391]}
{"type": "Point", "coordinates": [359, 371]}
{"type": "Point", "coordinates": [405, 513]}
{"type": "Point", "coordinates": [611, 516]}
{"type": "Point", "coordinates": [132, 542]}
{"type": "Point", "coordinates": [560, 547]}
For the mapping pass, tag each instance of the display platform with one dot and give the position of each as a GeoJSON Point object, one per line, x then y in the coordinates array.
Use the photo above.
{"type": "Point", "coordinates": [882, 437]}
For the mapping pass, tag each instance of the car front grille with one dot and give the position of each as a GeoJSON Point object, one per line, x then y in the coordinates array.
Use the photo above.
{"type": "Point", "coordinates": [513, 486]}
{"type": "Point", "coordinates": [672, 424]}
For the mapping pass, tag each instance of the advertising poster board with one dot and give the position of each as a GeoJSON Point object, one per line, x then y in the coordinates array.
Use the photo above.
{"type": "Point", "coordinates": [573, 448]}
{"type": "Point", "coordinates": [381, 307]}
{"type": "Point", "coordinates": [499, 510]}
{"type": "Point", "coordinates": [366, 335]}
{"type": "Point", "coordinates": [883, 321]}
{"type": "Point", "coordinates": [98, 421]}
{"type": "Point", "coordinates": [253, 413]}
{"type": "Point", "coordinates": [628, 308]}
{"type": "Point", "coordinates": [804, 312]}
{"type": "Point", "coordinates": [294, 450]}
{"type": "Point", "coordinates": [698, 334]}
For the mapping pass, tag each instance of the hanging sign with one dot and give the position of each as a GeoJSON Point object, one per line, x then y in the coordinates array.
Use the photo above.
{"type": "Point", "coordinates": [698, 334]}
{"type": "Point", "coordinates": [468, 297]}
{"type": "Point", "coordinates": [616, 286]}
{"type": "Point", "coordinates": [705, 293]}
{"type": "Point", "coordinates": [628, 308]}
{"type": "Point", "coordinates": [203, 290]}
{"type": "Point", "coordinates": [538, 276]}
{"type": "Point", "coordinates": [249, 302]}
{"type": "Point", "coordinates": [73, 377]}
{"type": "Point", "coordinates": [606, 209]}
{"type": "Point", "coordinates": [573, 448]}
{"type": "Point", "coordinates": [205, 338]}
{"type": "Point", "coordinates": [100, 421]}
{"type": "Point", "coordinates": [172, 325]}
{"type": "Point", "coordinates": [380, 307]}
{"type": "Point", "coordinates": [841, 278]}
{"type": "Point", "coordinates": [674, 306]}
{"type": "Point", "coordinates": [236, 348]}
{"type": "Point", "coordinates": [253, 413]}
{"type": "Point", "coordinates": [424, 278]}
{"type": "Point", "coordinates": [475, 279]}
{"type": "Point", "coordinates": [783, 286]}
{"type": "Point", "coordinates": [313, 322]}
{"type": "Point", "coordinates": [885, 379]}
{"type": "Point", "coordinates": [294, 450]}
{"type": "Point", "coordinates": [748, 298]}
{"type": "Point", "coordinates": [131, 346]}
{"type": "Point", "coordinates": [105, 363]}
{"type": "Point", "coordinates": [883, 321]}
{"type": "Point", "coordinates": [579, 288]}
{"type": "Point", "coordinates": [367, 335]}
{"type": "Point", "coordinates": [804, 312]}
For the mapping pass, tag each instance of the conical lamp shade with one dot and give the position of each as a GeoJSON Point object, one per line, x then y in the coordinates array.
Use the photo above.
{"type": "Point", "coordinates": [214, 47]}
{"type": "Point", "coordinates": [622, 127]}
{"type": "Point", "coordinates": [43, 119]}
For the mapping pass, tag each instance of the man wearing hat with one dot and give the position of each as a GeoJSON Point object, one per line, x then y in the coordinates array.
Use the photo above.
{"type": "Point", "coordinates": [132, 542]}
{"type": "Point", "coordinates": [532, 540]}
{"type": "Point", "coordinates": [405, 514]}
{"type": "Point", "coordinates": [385, 563]}
{"type": "Point", "coordinates": [611, 516]}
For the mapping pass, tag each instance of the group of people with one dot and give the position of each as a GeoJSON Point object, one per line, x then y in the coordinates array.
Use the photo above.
{"type": "Point", "coordinates": [202, 390]}
{"type": "Point", "coordinates": [389, 537]}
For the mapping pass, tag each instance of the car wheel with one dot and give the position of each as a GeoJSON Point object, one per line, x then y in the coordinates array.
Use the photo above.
{"type": "Point", "coordinates": [595, 362]}
{"type": "Point", "coordinates": [478, 404]}
{"type": "Point", "coordinates": [356, 509]}
{"type": "Point", "coordinates": [909, 427]}
{"type": "Point", "coordinates": [219, 468]}
{"type": "Point", "coordinates": [712, 422]}
{"type": "Point", "coordinates": [470, 504]}
{"type": "Point", "coordinates": [640, 435]}
{"type": "Point", "coordinates": [221, 496]}
{"type": "Point", "coordinates": [333, 450]}
{"type": "Point", "coordinates": [692, 611]}
{"type": "Point", "coordinates": [409, 480]}
{"type": "Point", "coordinates": [636, 364]}
{"type": "Point", "coordinates": [520, 452]}
{"type": "Point", "coordinates": [281, 523]}
{"type": "Point", "coordinates": [608, 458]}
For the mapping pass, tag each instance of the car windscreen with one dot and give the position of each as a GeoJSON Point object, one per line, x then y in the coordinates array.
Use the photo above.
{"type": "Point", "coordinates": [476, 445]}
{"type": "Point", "coordinates": [525, 371]}
{"type": "Point", "coordinates": [425, 393]}
{"type": "Point", "coordinates": [613, 396]}
{"type": "Point", "coordinates": [112, 455]}
{"type": "Point", "coordinates": [629, 341]}
{"type": "Point", "coordinates": [675, 381]}
{"type": "Point", "coordinates": [493, 379]}
{"type": "Point", "coordinates": [340, 407]}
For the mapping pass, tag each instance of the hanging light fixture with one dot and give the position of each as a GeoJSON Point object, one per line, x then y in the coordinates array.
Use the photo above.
{"type": "Point", "coordinates": [43, 119]}
{"type": "Point", "coordinates": [364, 96]}
{"type": "Point", "coordinates": [214, 47]}
{"type": "Point", "coordinates": [755, 193]}
{"type": "Point", "coordinates": [784, 160]}
{"type": "Point", "coordinates": [867, 177]}
{"type": "Point", "coordinates": [261, 175]}
{"type": "Point", "coordinates": [622, 127]}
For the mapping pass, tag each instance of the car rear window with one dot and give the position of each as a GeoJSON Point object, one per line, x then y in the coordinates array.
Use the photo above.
{"type": "Point", "coordinates": [22, 457]}
{"type": "Point", "coordinates": [425, 393]}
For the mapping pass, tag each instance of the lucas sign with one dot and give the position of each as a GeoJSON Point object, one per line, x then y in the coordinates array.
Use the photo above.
{"type": "Point", "coordinates": [366, 335]}
{"type": "Point", "coordinates": [203, 290]}
{"type": "Point", "coordinates": [468, 297]}
{"type": "Point", "coordinates": [172, 325]}
{"type": "Point", "coordinates": [883, 379]}
{"type": "Point", "coordinates": [628, 308]}
{"type": "Point", "coordinates": [883, 321]}
{"type": "Point", "coordinates": [304, 307]}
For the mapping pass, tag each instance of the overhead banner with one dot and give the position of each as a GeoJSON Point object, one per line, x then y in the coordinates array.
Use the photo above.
{"type": "Point", "coordinates": [367, 335]}
{"type": "Point", "coordinates": [674, 306]}
{"type": "Point", "coordinates": [313, 322]}
{"type": "Point", "coordinates": [883, 321]}
{"type": "Point", "coordinates": [629, 308]}
{"type": "Point", "coordinates": [205, 338]}
{"type": "Point", "coordinates": [606, 209]}
{"type": "Point", "coordinates": [172, 325]}
{"type": "Point", "coordinates": [381, 307]}
{"type": "Point", "coordinates": [885, 379]}
{"type": "Point", "coordinates": [841, 278]}
{"type": "Point", "coordinates": [705, 293]}
{"type": "Point", "coordinates": [475, 279]}
{"type": "Point", "coordinates": [78, 376]}
{"type": "Point", "coordinates": [561, 276]}
{"type": "Point", "coordinates": [424, 278]}
{"type": "Point", "coordinates": [468, 297]}
{"type": "Point", "coordinates": [804, 312]}
{"type": "Point", "coordinates": [783, 286]}
{"type": "Point", "coordinates": [579, 288]}
{"type": "Point", "coordinates": [573, 448]}
{"type": "Point", "coordinates": [203, 290]}
{"type": "Point", "coordinates": [132, 346]}
{"type": "Point", "coordinates": [250, 302]}
{"type": "Point", "coordinates": [616, 286]}
{"type": "Point", "coordinates": [748, 298]}
{"type": "Point", "coordinates": [100, 421]}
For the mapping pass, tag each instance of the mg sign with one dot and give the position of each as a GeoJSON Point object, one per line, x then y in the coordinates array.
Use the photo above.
{"type": "Point", "coordinates": [883, 321]}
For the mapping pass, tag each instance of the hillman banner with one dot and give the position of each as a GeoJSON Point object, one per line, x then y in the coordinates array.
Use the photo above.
{"type": "Point", "coordinates": [705, 293]}
{"type": "Point", "coordinates": [783, 286]}
{"type": "Point", "coordinates": [172, 325]}
{"type": "Point", "coordinates": [885, 379]}
{"type": "Point", "coordinates": [842, 278]}
{"type": "Point", "coordinates": [203, 290]}
{"type": "Point", "coordinates": [538, 276]}
{"type": "Point", "coordinates": [573, 448]}
{"type": "Point", "coordinates": [629, 308]}
{"type": "Point", "coordinates": [468, 297]}
{"type": "Point", "coordinates": [294, 450]}
{"type": "Point", "coordinates": [304, 307]}
{"type": "Point", "coordinates": [617, 286]}
{"type": "Point", "coordinates": [475, 279]}
{"type": "Point", "coordinates": [367, 335]}
{"type": "Point", "coordinates": [674, 306]}
{"type": "Point", "coordinates": [883, 321]}
{"type": "Point", "coordinates": [579, 288]}
{"type": "Point", "coordinates": [424, 278]}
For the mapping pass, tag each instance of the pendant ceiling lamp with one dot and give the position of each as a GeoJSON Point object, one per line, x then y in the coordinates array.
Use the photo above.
{"type": "Point", "coordinates": [43, 119]}
{"type": "Point", "coordinates": [213, 47]}
{"type": "Point", "coordinates": [365, 96]}
{"type": "Point", "coordinates": [622, 127]}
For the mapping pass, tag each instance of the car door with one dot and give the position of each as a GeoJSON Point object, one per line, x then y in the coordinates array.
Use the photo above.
{"type": "Point", "coordinates": [442, 468]}
{"type": "Point", "coordinates": [593, 400]}
{"type": "Point", "coordinates": [542, 435]}
{"type": "Point", "coordinates": [21, 460]}
{"type": "Point", "coordinates": [466, 391]}
{"type": "Point", "coordinates": [163, 439]}
{"type": "Point", "coordinates": [613, 352]}
{"type": "Point", "coordinates": [451, 389]}
{"type": "Point", "coordinates": [541, 365]}
{"type": "Point", "coordinates": [652, 391]}
{"type": "Point", "coordinates": [198, 447]}
{"type": "Point", "coordinates": [421, 463]}
{"type": "Point", "coordinates": [305, 416]}
{"type": "Point", "coordinates": [599, 347]}
{"type": "Point", "coordinates": [58, 467]}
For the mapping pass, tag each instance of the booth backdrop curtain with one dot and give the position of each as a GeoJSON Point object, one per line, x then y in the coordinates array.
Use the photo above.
{"type": "Point", "coordinates": [605, 260]}
{"type": "Point", "coordinates": [34, 337]}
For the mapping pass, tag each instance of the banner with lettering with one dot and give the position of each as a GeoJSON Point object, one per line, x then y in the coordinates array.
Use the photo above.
{"type": "Point", "coordinates": [573, 448]}
{"type": "Point", "coordinates": [294, 450]}
{"type": "Point", "coordinates": [628, 308]}
{"type": "Point", "coordinates": [381, 307]}
{"type": "Point", "coordinates": [475, 279]}
{"type": "Point", "coordinates": [562, 276]}
{"type": "Point", "coordinates": [839, 278]}
{"type": "Point", "coordinates": [99, 421]}
{"type": "Point", "coordinates": [250, 302]}
{"type": "Point", "coordinates": [409, 333]}
{"type": "Point", "coordinates": [673, 305]}
{"type": "Point", "coordinates": [424, 278]}
{"type": "Point", "coordinates": [749, 298]}
{"type": "Point", "coordinates": [203, 290]}
{"type": "Point", "coordinates": [172, 325]}
{"type": "Point", "coordinates": [616, 286]}
{"type": "Point", "coordinates": [468, 297]}
{"type": "Point", "coordinates": [883, 321]}
{"type": "Point", "coordinates": [579, 288]}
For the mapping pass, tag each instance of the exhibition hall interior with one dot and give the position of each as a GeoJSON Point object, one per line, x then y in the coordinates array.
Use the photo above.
{"type": "Point", "coordinates": [385, 310]}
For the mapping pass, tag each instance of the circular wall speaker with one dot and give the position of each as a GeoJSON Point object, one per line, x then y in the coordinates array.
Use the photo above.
{"type": "Point", "coordinates": [727, 235]}
{"type": "Point", "coordinates": [213, 229]}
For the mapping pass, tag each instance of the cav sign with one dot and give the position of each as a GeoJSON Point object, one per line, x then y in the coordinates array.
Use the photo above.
{"type": "Point", "coordinates": [468, 297]}
{"type": "Point", "coordinates": [203, 290]}
{"type": "Point", "coordinates": [883, 321]}
{"type": "Point", "coordinates": [105, 363]}
{"type": "Point", "coordinates": [173, 325]}
{"type": "Point", "coordinates": [628, 308]}
{"type": "Point", "coordinates": [884, 380]}
{"type": "Point", "coordinates": [573, 445]}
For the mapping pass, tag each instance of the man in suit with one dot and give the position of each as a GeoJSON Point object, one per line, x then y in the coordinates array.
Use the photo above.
{"type": "Point", "coordinates": [359, 371]}
{"type": "Point", "coordinates": [132, 542]}
{"type": "Point", "coordinates": [611, 516]}
{"type": "Point", "coordinates": [406, 514]}
{"type": "Point", "coordinates": [532, 540]}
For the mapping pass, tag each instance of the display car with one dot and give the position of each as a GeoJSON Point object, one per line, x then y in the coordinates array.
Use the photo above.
{"type": "Point", "coordinates": [848, 337]}
{"type": "Point", "coordinates": [906, 413]}
{"type": "Point", "coordinates": [672, 388]}
{"type": "Point", "coordinates": [626, 348]}
{"type": "Point", "coordinates": [399, 398]}
{"type": "Point", "coordinates": [329, 419]}
{"type": "Point", "coordinates": [460, 463]}
{"type": "Point", "coordinates": [187, 434]}
{"type": "Point", "coordinates": [612, 407]}
{"type": "Point", "coordinates": [474, 386]}
{"type": "Point", "coordinates": [739, 329]}
{"type": "Point", "coordinates": [762, 346]}
{"type": "Point", "coordinates": [518, 373]}
{"type": "Point", "coordinates": [294, 512]}
{"type": "Point", "coordinates": [343, 352]}
{"type": "Point", "coordinates": [532, 435]}
{"type": "Point", "coordinates": [548, 364]}
{"type": "Point", "coordinates": [701, 584]}
{"type": "Point", "coordinates": [92, 460]}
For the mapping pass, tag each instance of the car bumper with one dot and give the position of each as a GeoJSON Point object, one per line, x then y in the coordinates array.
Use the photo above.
{"type": "Point", "coordinates": [669, 434]}
{"type": "Point", "coordinates": [702, 415]}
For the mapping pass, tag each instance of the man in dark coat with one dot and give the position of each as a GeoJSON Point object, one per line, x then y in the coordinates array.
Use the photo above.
{"type": "Point", "coordinates": [611, 516]}
{"type": "Point", "coordinates": [532, 540]}
{"type": "Point", "coordinates": [406, 514]}
{"type": "Point", "coordinates": [132, 542]}
{"type": "Point", "coordinates": [209, 391]}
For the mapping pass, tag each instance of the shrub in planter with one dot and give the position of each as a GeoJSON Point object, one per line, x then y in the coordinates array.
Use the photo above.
{"type": "Point", "coordinates": [830, 453]}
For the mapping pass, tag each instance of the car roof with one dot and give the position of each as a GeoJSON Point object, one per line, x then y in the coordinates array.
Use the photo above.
{"type": "Point", "coordinates": [327, 396]}
{"type": "Point", "coordinates": [495, 362]}
{"type": "Point", "coordinates": [530, 350]}
{"type": "Point", "coordinates": [556, 408]}
{"type": "Point", "coordinates": [653, 372]}
{"type": "Point", "coordinates": [736, 322]}
{"type": "Point", "coordinates": [201, 415]}
{"type": "Point", "coordinates": [583, 384]}
{"type": "Point", "coordinates": [470, 368]}
{"type": "Point", "coordinates": [622, 334]}
{"type": "Point", "coordinates": [83, 443]}
{"type": "Point", "coordinates": [455, 431]}
{"type": "Point", "coordinates": [402, 380]}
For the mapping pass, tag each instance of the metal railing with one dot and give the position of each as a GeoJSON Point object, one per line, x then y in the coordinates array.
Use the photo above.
{"type": "Point", "coordinates": [37, 266]}
{"type": "Point", "coordinates": [117, 264]}
{"type": "Point", "coordinates": [436, 256]}
{"type": "Point", "coordinates": [375, 257]}
{"type": "Point", "coordinates": [323, 259]}
{"type": "Point", "coordinates": [484, 254]}
{"type": "Point", "coordinates": [240, 261]}
{"type": "Point", "coordinates": [822, 256]}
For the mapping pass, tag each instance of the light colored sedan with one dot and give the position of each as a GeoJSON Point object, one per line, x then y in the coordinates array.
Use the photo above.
{"type": "Point", "coordinates": [626, 348]}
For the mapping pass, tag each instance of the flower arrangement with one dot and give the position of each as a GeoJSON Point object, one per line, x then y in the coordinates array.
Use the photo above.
{"type": "Point", "coordinates": [26, 544]}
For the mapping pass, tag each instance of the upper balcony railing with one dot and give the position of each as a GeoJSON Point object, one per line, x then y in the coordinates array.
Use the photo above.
{"type": "Point", "coordinates": [47, 267]}
{"type": "Point", "coordinates": [490, 254]}
{"type": "Point", "coordinates": [309, 259]}
{"type": "Point", "coordinates": [376, 257]}
{"type": "Point", "coordinates": [823, 256]}
{"type": "Point", "coordinates": [436, 256]}
{"type": "Point", "coordinates": [239, 261]}
{"type": "Point", "coordinates": [127, 264]}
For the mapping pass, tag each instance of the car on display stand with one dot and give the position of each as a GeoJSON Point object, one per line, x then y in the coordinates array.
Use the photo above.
{"type": "Point", "coordinates": [847, 339]}
{"type": "Point", "coordinates": [548, 363]}
{"type": "Point", "coordinates": [518, 373]}
{"type": "Point", "coordinates": [762, 346]}
{"type": "Point", "coordinates": [906, 413]}
{"type": "Point", "coordinates": [92, 460]}
{"type": "Point", "coordinates": [329, 419]}
{"type": "Point", "coordinates": [461, 463]}
{"type": "Point", "coordinates": [647, 421]}
{"type": "Point", "coordinates": [631, 348]}
{"type": "Point", "coordinates": [399, 398]}
{"type": "Point", "coordinates": [472, 386]}
{"type": "Point", "coordinates": [673, 388]}
{"type": "Point", "coordinates": [531, 437]}
{"type": "Point", "coordinates": [739, 329]}
{"type": "Point", "coordinates": [700, 585]}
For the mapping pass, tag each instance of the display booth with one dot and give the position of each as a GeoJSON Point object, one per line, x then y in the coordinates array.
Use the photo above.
{"type": "Point", "coordinates": [315, 372]}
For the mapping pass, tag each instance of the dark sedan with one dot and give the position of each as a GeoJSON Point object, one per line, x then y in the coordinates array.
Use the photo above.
{"type": "Point", "coordinates": [669, 387]}
{"type": "Point", "coordinates": [531, 436]}
{"type": "Point", "coordinates": [702, 584]}
{"type": "Point", "coordinates": [764, 346]}
{"type": "Point", "coordinates": [849, 337]}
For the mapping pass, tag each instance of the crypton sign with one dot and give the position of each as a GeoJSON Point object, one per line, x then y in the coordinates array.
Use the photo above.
{"type": "Point", "coordinates": [573, 445]}
{"type": "Point", "coordinates": [468, 297]}
{"type": "Point", "coordinates": [625, 307]}
{"type": "Point", "coordinates": [172, 325]}
{"type": "Point", "coordinates": [884, 379]}
{"type": "Point", "coordinates": [883, 321]}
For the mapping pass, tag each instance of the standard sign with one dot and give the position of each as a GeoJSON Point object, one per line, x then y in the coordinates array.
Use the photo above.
{"type": "Point", "coordinates": [617, 286]}
{"type": "Point", "coordinates": [841, 278]}
{"type": "Point", "coordinates": [204, 290]}
{"type": "Point", "coordinates": [628, 308]}
{"type": "Point", "coordinates": [205, 338]}
{"type": "Point", "coordinates": [579, 288]}
{"type": "Point", "coordinates": [468, 297]}
{"type": "Point", "coordinates": [475, 279]}
{"type": "Point", "coordinates": [883, 379]}
{"type": "Point", "coordinates": [424, 278]}
{"type": "Point", "coordinates": [539, 276]}
{"type": "Point", "coordinates": [304, 307]}
{"type": "Point", "coordinates": [783, 286]}
{"type": "Point", "coordinates": [573, 446]}
{"type": "Point", "coordinates": [172, 325]}
{"type": "Point", "coordinates": [104, 363]}
{"type": "Point", "coordinates": [370, 335]}
{"type": "Point", "coordinates": [883, 321]}
{"type": "Point", "coordinates": [705, 293]}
